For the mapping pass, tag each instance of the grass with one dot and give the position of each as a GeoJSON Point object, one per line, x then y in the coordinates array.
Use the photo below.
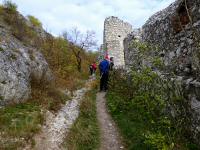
{"type": "Point", "coordinates": [1, 49]}
{"type": "Point", "coordinates": [85, 134]}
{"type": "Point", "coordinates": [134, 125]}
{"type": "Point", "coordinates": [129, 127]}
{"type": "Point", "coordinates": [1, 9]}
{"type": "Point", "coordinates": [18, 124]}
{"type": "Point", "coordinates": [49, 96]}
{"type": "Point", "coordinates": [1, 97]}
{"type": "Point", "coordinates": [12, 7]}
{"type": "Point", "coordinates": [35, 22]}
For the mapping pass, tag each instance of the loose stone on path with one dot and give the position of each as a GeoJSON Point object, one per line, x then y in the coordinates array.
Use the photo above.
{"type": "Point", "coordinates": [57, 126]}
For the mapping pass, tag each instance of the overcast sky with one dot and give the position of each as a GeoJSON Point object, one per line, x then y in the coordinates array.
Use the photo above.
{"type": "Point", "coordinates": [60, 15]}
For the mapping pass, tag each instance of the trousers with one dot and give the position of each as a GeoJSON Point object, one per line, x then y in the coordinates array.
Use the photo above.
{"type": "Point", "coordinates": [104, 81]}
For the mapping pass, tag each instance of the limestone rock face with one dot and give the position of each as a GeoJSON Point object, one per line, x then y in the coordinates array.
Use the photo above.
{"type": "Point", "coordinates": [19, 64]}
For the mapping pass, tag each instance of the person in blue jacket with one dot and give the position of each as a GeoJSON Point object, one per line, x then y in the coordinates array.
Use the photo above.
{"type": "Point", "coordinates": [104, 72]}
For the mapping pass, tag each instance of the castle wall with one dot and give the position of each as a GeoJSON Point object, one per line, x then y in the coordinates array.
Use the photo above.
{"type": "Point", "coordinates": [174, 36]}
{"type": "Point", "coordinates": [115, 30]}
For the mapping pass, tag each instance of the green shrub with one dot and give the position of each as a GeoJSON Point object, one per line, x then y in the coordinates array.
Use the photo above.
{"type": "Point", "coordinates": [1, 97]}
{"type": "Point", "coordinates": [141, 103]}
{"type": "Point", "coordinates": [20, 29]}
{"type": "Point", "coordinates": [13, 57]}
{"type": "Point", "coordinates": [9, 5]}
{"type": "Point", "coordinates": [35, 22]}
{"type": "Point", "coordinates": [1, 49]}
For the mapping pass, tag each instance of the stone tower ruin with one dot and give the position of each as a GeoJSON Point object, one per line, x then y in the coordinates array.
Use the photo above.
{"type": "Point", "coordinates": [115, 31]}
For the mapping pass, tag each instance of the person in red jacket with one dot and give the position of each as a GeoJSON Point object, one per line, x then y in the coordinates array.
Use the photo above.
{"type": "Point", "coordinates": [94, 67]}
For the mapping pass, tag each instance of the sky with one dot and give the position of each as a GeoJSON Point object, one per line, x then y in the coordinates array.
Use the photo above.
{"type": "Point", "coordinates": [62, 15]}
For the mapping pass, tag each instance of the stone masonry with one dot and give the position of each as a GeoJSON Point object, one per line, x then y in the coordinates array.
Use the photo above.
{"type": "Point", "coordinates": [115, 30]}
{"type": "Point", "coordinates": [173, 35]}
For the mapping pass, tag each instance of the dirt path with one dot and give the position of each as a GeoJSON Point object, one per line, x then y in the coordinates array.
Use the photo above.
{"type": "Point", "coordinates": [110, 138]}
{"type": "Point", "coordinates": [58, 125]}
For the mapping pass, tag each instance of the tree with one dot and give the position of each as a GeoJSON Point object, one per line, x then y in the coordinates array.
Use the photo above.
{"type": "Point", "coordinates": [79, 42]}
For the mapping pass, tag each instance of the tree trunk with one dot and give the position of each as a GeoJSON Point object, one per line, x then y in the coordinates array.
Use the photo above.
{"type": "Point", "coordinates": [79, 61]}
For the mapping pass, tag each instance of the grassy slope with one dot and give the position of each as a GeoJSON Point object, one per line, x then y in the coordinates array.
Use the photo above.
{"type": "Point", "coordinates": [19, 123]}
{"type": "Point", "coordinates": [84, 134]}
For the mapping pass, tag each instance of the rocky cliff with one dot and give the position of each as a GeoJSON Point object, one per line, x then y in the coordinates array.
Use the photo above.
{"type": "Point", "coordinates": [20, 63]}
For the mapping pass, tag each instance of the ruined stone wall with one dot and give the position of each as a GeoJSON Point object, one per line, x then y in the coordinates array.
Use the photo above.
{"type": "Point", "coordinates": [115, 30]}
{"type": "Point", "coordinates": [176, 37]}
{"type": "Point", "coordinates": [172, 31]}
{"type": "Point", "coordinates": [130, 54]}
{"type": "Point", "coordinates": [174, 34]}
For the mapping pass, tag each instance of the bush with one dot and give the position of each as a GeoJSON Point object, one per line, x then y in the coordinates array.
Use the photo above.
{"type": "Point", "coordinates": [143, 105]}
{"type": "Point", "coordinates": [9, 5]}
{"type": "Point", "coordinates": [1, 49]}
{"type": "Point", "coordinates": [35, 22]}
{"type": "Point", "coordinates": [20, 29]}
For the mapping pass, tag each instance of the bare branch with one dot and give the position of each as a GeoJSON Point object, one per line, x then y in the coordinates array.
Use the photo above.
{"type": "Point", "coordinates": [84, 41]}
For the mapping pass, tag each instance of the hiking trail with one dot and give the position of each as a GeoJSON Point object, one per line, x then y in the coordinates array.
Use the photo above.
{"type": "Point", "coordinates": [58, 125]}
{"type": "Point", "coordinates": [110, 138]}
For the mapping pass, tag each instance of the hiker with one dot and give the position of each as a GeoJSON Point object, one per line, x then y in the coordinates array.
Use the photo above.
{"type": "Point", "coordinates": [104, 72]}
{"type": "Point", "coordinates": [91, 69]}
{"type": "Point", "coordinates": [94, 68]}
{"type": "Point", "coordinates": [111, 63]}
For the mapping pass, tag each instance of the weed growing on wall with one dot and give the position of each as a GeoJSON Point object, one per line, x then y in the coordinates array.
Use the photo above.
{"type": "Point", "coordinates": [146, 55]}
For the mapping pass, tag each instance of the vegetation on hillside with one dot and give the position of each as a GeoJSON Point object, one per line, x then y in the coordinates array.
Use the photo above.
{"type": "Point", "coordinates": [58, 51]}
{"type": "Point", "coordinates": [18, 124]}
{"type": "Point", "coordinates": [78, 42]}
{"type": "Point", "coordinates": [10, 6]}
{"type": "Point", "coordinates": [22, 121]}
{"type": "Point", "coordinates": [35, 22]}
